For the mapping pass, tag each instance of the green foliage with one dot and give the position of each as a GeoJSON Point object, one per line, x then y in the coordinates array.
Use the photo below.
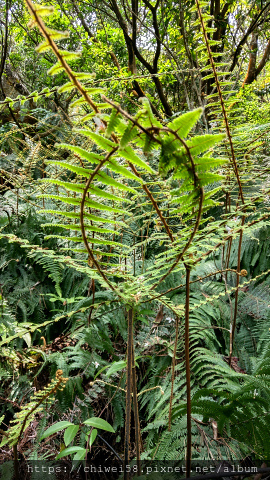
{"type": "Point", "coordinates": [28, 412]}
{"type": "Point", "coordinates": [71, 431]}
{"type": "Point", "coordinates": [122, 206]}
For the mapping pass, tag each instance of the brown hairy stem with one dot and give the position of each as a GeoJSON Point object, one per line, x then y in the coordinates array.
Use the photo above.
{"type": "Point", "coordinates": [233, 326]}
{"type": "Point", "coordinates": [138, 439]}
{"type": "Point", "coordinates": [16, 463]}
{"type": "Point", "coordinates": [187, 361]}
{"type": "Point", "coordinates": [128, 393]}
{"type": "Point", "coordinates": [173, 371]}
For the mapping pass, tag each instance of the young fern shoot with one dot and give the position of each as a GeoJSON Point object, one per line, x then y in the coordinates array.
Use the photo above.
{"type": "Point", "coordinates": [105, 188]}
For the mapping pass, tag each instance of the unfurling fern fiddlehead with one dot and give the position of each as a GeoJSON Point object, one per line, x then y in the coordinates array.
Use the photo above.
{"type": "Point", "coordinates": [129, 173]}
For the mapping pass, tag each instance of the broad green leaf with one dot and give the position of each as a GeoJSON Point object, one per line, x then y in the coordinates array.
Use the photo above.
{"type": "Point", "coordinates": [102, 106]}
{"type": "Point", "coordinates": [80, 455]}
{"type": "Point", "coordinates": [211, 192]}
{"type": "Point", "coordinates": [27, 338]}
{"type": "Point", "coordinates": [57, 427]}
{"type": "Point", "coordinates": [70, 434]}
{"type": "Point", "coordinates": [99, 423]}
{"type": "Point", "coordinates": [93, 436]}
{"type": "Point", "coordinates": [8, 100]}
{"type": "Point", "coordinates": [116, 367]}
{"type": "Point", "coordinates": [46, 90]}
{"type": "Point", "coordinates": [101, 370]}
{"type": "Point", "coordinates": [33, 94]}
{"type": "Point", "coordinates": [70, 450]}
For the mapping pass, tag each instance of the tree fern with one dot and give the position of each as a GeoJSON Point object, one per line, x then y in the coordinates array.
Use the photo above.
{"type": "Point", "coordinates": [135, 198]}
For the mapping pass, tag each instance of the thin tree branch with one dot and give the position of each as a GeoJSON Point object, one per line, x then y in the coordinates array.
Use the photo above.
{"type": "Point", "coordinates": [242, 42]}
{"type": "Point", "coordinates": [251, 71]}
